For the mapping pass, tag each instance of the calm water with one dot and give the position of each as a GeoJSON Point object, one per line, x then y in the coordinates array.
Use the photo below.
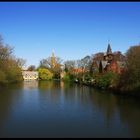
{"type": "Point", "coordinates": [57, 109]}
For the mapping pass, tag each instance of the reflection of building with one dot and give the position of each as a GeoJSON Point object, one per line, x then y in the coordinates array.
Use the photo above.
{"type": "Point", "coordinates": [30, 84]}
{"type": "Point", "coordinates": [30, 75]}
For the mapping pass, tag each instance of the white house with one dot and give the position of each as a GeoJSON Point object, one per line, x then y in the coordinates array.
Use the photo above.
{"type": "Point", "coordinates": [30, 75]}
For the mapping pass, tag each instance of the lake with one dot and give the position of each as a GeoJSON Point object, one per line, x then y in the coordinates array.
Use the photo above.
{"type": "Point", "coordinates": [57, 109]}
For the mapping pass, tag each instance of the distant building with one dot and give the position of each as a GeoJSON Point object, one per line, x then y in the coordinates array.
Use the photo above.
{"type": "Point", "coordinates": [78, 70]}
{"type": "Point", "coordinates": [30, 75]}
{"type": "Point", "coordinates": [114, 62]}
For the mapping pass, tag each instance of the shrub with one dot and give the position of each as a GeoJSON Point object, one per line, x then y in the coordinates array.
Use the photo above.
{"type": "Point", "coordinates": [107, 80]}
{"type": "Point", "coordinates": [68, 77]}
{"type": "Point", "coordinates": [45, 74]}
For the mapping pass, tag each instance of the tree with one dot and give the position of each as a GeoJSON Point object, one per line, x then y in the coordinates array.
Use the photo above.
{"type": "Point", "coordinates": [31, 68]}
{"type": "Point", "coordinates": [5, 52]}
{"type": "Point", "coordinates": [45, 74]}
{"type": "Point", "coordinates": [86, 62]}
{"type": "Point", "coordinates": [50, 62]}
{"type": "Point", "coordinates": [69, 65]}
{"type": "Point", "coordinates": [2, 77]}
{"type": "Point", "coordinates": [118, 56]}
{"type": "Point", "coordinates": [107, 80]}
{"type": "Point", "coordinates": [53, 64]}
{"type": "Point", "coordinates": [9, 69]}
{"type": "Point", "coordinates": [130, 79]}
{"type": "Point", "coordinates": [96, 58]}
{"type": "Point", "coordinates": [21, 62]}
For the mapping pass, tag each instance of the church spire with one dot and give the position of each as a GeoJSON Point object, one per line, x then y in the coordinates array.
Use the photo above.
{"type": "Point", "coordinates": [52, 53]}
{"type": "Point", "coordinates": [53, 63]}
{"type": "Point", "coordinates": [109, 50]}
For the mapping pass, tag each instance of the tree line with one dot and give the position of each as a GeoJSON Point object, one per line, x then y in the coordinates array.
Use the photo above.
{"type": "Point", "coordinates": [83, 71]}
{"type": "Point", "coordinates": [10, 66]}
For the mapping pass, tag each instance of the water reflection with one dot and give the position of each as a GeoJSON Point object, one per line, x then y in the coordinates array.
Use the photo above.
{"type": "Point", "coordinates": [8, 98]}
{"type": "Point", "coordinates": [30, 84]}
{"type": "Point", "coordinates": [58, 109]}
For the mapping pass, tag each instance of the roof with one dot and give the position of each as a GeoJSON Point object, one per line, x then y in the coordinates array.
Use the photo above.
{"type": "Point", "coordinates": [104, 63]}
{"type": "Point", "coordinates": [30, 72]}
{"type": "Point", "coordinates": [109, 51]}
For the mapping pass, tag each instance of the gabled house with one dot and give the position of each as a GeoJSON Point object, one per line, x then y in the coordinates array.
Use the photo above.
{"type": "Point", "coordinates": [114, 62]}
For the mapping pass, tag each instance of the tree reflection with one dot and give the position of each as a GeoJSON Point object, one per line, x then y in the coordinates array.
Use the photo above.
{"type": "Point", "coordinates": [70, 104]}
{"type": "Point", "coordinates": [8, 98]}
{"type": "Point", "coordinates": [129, 109]}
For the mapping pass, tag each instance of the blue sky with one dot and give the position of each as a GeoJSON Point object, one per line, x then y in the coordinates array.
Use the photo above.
{"type": "Point", "coordinates": [72, 29]}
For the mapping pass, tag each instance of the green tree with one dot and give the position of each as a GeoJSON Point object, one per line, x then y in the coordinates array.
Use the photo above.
{"type": "Point", "coordinates": [130, 79]}
{"type": "Point", "coordinates": [2, 77]}
{"type": "Point", "coordinates": [45, 74]}
{"type": "Point", "coordinates": [53, 64]}
{"type": "Point", "coordinates": [9, 66]}
{"type": "Point", "coordinates": [106, 80]}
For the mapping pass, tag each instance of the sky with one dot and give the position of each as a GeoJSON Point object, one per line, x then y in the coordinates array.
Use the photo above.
{"type": "Point", "coordinates": [72, 29]}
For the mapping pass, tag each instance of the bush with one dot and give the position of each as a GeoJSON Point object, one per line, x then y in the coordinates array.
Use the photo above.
{"type": "Point", "coordinates": [45, 74]}
{"type": "Point", "coordinates": [107, 80]}
{"type": "Point", "coordinates": [68, 77]}
{"type": "Point", "coordinates": [87, 77]}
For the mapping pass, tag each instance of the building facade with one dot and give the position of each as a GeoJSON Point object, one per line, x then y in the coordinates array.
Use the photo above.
{"type": "Point", "coordinates": [30, 75]}
{"type": "Point", "coordinates": [114, 62]}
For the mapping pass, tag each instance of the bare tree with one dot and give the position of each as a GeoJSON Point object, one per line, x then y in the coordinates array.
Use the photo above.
{"type": "Point", "coordinates": [50, 62]}
{"type": "Point", "coordinates": [21, 62]}
{"type": "Point", "coordinates": [31, 68]}
{"type": "Point", "coordinates": [70, 64]}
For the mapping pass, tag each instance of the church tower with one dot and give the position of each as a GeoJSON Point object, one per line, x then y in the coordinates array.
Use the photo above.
{"type": "Point", "coordinates": [109, 55]}
{"type": "Point", "coordinates": [53, 61]}
{"type": "Point", "coordinates": [109, 50]}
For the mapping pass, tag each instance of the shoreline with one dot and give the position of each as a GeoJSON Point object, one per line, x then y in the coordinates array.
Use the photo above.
{"type": "Point", "coordinates": [115, 91]}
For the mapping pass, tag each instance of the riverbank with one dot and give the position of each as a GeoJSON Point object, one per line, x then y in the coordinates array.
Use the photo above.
{"type": "Point", "coordinates": [116, 91]}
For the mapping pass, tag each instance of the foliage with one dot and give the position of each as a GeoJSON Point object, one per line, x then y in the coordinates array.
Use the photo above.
{"type": "Point", "coordinates": [50, 62]}
{"type": "Point", "coordinates": [53, 64]}
{"type": "Point", "coordinates": [68, 77]}
{"type": "Point", "coordinates": [2, 77]}
{"type": "Point", "coordinates": [45, 74]}
{"type": "Point", "coordinates": [130, 79]}
{"type": "Point", "coordinates": [31, 68]}
{"type": "Point", "coordinates": [87, 77]}
{"type": "Point", "coordinates": [9, 66]}
{"type": "Point", "coordinates": [106, 80]}
{"type": "Point", "coordinates": [21, 62]}
{"type": "Point", "coordinates": [69, 65]}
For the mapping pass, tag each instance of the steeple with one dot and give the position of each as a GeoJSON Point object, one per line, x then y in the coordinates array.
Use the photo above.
{"type": "Point", "coordinates": [53, 53]}
{"type": "Point", "coordinates": [53, 63]}
{"type": "Point", "coordinates": [109, 50]}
